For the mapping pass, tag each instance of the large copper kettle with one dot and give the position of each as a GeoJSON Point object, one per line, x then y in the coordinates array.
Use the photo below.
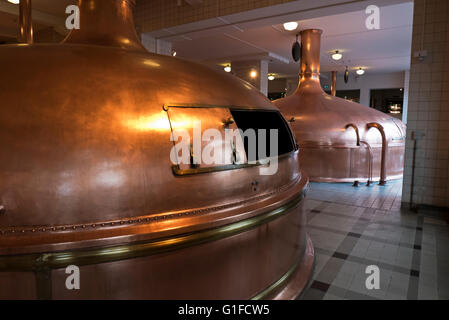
{"type": "Point", "coordinates": [86, 177]}
{"type": "Point", "coordinates": [340, 141]}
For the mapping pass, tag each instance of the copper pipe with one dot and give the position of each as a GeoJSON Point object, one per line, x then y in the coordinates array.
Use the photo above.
{"type": "Point", "coordinates": [25, 22]}
{"type": "Point", "coordinates": [383, 174]}
{"type": "Point", "coordinates": [334, 84]}
{"type": "Point", "coordinates": [106, 23]}
{"type": "Point", "coordinates": [351, 125]}
{"type": "Point", "coordinates": [370, 163]}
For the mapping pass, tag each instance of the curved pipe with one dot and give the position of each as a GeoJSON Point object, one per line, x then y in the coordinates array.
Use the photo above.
{"type": "Point", "coordinates": [370, 162]}
{"type": "Point", "coordinates": [351, 125]}
{"type": "Point", "coordinates": [383, 171]}
{"type": "Point", "coordinates": [25, 22]}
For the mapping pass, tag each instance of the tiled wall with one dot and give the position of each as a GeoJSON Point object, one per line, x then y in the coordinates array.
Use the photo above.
{"type": "Point", "coordinates": [428, 113]}
{"type": "Point", "coordinates": [157, 14]}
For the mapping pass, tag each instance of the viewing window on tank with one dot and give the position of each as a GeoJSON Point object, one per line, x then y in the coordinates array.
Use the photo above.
{"type": "Point", "coordinates": [210, 139]}
{"type": "Point", "coordinates": [264, 121]}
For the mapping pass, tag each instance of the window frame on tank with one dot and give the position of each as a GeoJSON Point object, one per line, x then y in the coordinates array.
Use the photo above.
{"type": "Point", "coordinates": [177, 171]}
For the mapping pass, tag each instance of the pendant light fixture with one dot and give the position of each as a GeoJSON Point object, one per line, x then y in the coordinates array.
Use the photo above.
{"type": "Point", "coordinates": [296, 50]}
{"type": "Point", "coordinates": [347, 75]}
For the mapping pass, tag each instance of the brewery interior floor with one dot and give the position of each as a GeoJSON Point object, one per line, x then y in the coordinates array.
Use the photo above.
{"type": "Point", "coordinates": [352, 228]}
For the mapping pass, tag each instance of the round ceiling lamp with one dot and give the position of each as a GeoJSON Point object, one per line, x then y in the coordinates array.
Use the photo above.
{"type": "Point", "coordinates": [337, 56]}
{"type": "Point", "coordinates": [228, 68]}
{"type": "Point", "coordinates": [290, 26]}
{"type": "Point", "coordinates": [360, 72]}
{"type": "Point", "coordinates": [271, 77]}
{"type": "Point", "coordinates": [14, 1]}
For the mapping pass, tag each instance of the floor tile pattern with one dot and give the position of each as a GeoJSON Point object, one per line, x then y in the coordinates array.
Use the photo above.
{"type": "Point", "coordinates": [353, 228]}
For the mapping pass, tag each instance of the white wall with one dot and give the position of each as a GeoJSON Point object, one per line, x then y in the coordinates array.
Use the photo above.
{"type": "Point", "coordinates": [156, 46]}
{"type": "Point", "coordinates": [367, 82]}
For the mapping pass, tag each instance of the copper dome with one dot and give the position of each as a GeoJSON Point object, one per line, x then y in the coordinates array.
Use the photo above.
{"type": "Point", "coordinates": [86, 177]}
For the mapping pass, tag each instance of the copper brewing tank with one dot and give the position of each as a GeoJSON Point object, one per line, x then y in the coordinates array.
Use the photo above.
{"type": "Point", "coordinates": [340, 141]}
{"type": "Point", "coordinates": [86, 177]}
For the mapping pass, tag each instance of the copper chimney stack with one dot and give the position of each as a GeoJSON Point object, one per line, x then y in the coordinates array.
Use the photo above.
{"type": "Point", "coordinates": [310, 62]}
{"type": "Point", "coordinates": [25, 22]}
{"type": "Point", "coordinates": [107, 23]}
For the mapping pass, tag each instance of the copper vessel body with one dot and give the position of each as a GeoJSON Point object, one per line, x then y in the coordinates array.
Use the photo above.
{"type": "Point", "coordinates": [87, 179]}
{"type": "Point", "coordinates": [328, 151]}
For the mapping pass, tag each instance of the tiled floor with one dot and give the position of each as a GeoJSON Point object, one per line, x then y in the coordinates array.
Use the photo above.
{"type": "Point", "coordinates": [353, 228]}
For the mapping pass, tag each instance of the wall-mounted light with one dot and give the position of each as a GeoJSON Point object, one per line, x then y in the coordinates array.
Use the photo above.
{"type": "Point", "coordinates": [253, 74]}
{"type": "Point", "coordinates": [228, 68]}
{"type": "Point", "coordinates": [174, 53]}
{"type": "Point", "coordinates": [271, 77]}
{"type": "Point", "coordinates": [14, 1]}
{"type": "Point", "coordinates": [290, 26]}
{"type": "Point", "coordinates": [360, 72]}
{"type": "Point", "coordinates": [337, 55]}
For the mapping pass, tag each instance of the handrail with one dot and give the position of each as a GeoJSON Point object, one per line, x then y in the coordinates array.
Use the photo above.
{"type": "Point", "coordinates": [383, 169]}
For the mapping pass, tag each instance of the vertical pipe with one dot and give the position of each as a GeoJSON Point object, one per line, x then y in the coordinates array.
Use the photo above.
{"type": "Point", "coordinates": [351, 125]}
{"type": "Point", "coordinates": [310, 54]}
{"type": "Point", "coordinates": [106, 23]}
{"type": "Point", "coordinates": [334, 84]}
{"type": "Point", "coordinates": [383, 169]}
{"type": "Point", "coordinates": [25, 22]}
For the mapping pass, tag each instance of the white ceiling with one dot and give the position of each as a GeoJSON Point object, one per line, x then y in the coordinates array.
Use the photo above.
{"type": "Point", "coordinates": [237, 37]}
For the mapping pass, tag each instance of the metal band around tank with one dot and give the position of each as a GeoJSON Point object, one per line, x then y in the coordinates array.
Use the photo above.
{"type": "Point", "coordinates": [39, 261]}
